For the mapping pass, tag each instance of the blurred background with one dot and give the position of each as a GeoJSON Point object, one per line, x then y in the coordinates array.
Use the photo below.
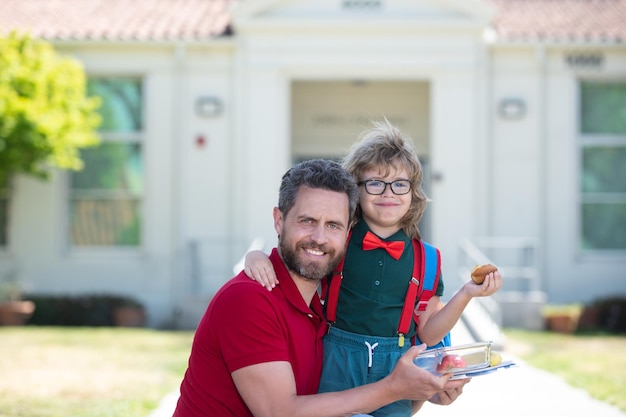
{"type": "Point", "coordinates": [517, 111]}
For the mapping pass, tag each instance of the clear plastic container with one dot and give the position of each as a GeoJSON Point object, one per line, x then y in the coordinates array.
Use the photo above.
{"type": "Point", "coordinates": [455, 359]}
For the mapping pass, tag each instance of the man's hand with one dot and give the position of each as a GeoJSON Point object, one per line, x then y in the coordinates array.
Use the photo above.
{"type": "Point", "coordinates": [414, 383]}
{"type": "Point", "coordinates": [449, 395]}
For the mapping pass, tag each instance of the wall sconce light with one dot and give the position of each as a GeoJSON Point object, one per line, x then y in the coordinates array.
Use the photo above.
{"type": "Point", "coordinates": [512, 108]}
{"type": "Point", "coordinates": [209, 107]}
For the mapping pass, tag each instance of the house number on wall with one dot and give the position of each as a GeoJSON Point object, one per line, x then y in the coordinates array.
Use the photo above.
{"type": "Point", "coordinates": [585, 60]}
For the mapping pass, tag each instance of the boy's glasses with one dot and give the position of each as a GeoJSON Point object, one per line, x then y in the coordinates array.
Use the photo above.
{"type": "Point", "coordinates": [377, 187]}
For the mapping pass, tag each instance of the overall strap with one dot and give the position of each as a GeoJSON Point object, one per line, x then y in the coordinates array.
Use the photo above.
{"type": "Point", "coordinates": [333, 294]}
{"type": "Point", "coordinates": [411, 294]}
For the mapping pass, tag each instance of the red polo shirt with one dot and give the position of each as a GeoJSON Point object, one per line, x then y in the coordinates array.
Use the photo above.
{"type": "Point", "coordinates": [245, 325]}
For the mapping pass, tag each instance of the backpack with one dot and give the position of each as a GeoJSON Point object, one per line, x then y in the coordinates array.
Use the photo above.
{"type": "Point", "coordinates": [418, 290]}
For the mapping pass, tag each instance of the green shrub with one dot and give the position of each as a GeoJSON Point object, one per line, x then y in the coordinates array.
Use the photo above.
{"type": "Point", "coordinates": [77, 310]}
{"type": "Point", "coordinates": [604, 315]}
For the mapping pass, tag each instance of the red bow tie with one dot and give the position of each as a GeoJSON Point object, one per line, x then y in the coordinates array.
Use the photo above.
{"type": "Point", "coordinates": [394, 249]}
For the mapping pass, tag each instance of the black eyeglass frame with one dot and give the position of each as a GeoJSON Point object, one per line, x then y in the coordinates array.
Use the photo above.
{"type": "Point", "coordinates": [365, 183]}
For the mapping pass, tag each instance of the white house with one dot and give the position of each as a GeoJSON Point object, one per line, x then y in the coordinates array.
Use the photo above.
{"type": "Point", "coordinates": [517, 110]}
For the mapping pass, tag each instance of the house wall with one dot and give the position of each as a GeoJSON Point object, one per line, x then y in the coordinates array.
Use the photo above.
{"type": "Point", "coordinates": [535, 173]}
{"type": "Point", "coordinates": [211, 182]}
{"type": "Point", "coordinates": [574, 275]}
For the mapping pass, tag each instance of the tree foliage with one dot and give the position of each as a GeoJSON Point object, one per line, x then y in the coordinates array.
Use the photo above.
{"type": "Point", "coordinates": [45, 113]}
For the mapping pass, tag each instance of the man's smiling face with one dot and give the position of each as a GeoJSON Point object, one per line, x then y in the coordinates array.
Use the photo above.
{"type": "Point", "coordinates": [314, 232]}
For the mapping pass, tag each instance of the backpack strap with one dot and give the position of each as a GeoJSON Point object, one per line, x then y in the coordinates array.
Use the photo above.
{"type": "Point", "coordinates": [431, 268]}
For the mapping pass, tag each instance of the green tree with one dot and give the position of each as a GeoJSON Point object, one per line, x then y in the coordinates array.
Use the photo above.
{"type": "Point", "coordinates": [46, 116]}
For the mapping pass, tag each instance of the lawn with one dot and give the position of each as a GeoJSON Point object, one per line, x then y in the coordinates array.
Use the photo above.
{"type": "Point", "coordinates": [595, 363]}
{"type": "Point", "coordinates": [120, 372]}
{"type": "Point", "coordinates": [88, 372]}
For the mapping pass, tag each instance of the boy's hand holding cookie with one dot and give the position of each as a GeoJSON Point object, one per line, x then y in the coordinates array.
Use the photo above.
{"type": "Point", "coordinates": [486, 280]}
{"type": "Point", "coordinates": [480, 272]}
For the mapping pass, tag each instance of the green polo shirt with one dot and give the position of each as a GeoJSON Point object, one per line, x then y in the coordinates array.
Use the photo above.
{"type": "Point", "coordinates": [374, 286]}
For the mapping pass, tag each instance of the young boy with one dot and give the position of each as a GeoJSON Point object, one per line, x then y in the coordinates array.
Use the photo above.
{"type": "Point", "coordinates": [364, 342]}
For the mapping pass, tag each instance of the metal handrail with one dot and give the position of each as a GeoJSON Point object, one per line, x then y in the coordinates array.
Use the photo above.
{"type": "Point", "coordinates": [470, 256]}
{"type": "Point", "coordinates": [516, 257]}
{"type": "Point", "coordinates": [517, 260]}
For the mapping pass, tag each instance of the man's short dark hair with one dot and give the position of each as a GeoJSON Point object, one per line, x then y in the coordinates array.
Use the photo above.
{"type": "Point", "coordinates": [317, 173]}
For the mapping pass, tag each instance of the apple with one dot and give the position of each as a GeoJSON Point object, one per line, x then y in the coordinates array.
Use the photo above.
{"type": "Point", "coordinates": [450, 362]}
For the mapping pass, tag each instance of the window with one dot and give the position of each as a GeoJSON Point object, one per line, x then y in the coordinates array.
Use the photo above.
{"type": "Point", "coordinates": [603, 165]}
{"type": "Point", "coordinates": [106, 196]}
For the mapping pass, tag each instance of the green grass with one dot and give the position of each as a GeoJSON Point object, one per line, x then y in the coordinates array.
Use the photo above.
{"type": "Point", "coordinates": [88, 372]}
{"type": "Point", "coordinates": [594, 363]}
{"type": "Point", "coordinates": [119, 372]}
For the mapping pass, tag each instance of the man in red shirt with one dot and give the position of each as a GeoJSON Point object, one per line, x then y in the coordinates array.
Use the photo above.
{"type": "Point", "coordinates": [259, 353]}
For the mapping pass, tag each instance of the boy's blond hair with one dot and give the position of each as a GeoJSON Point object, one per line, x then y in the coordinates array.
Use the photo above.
{"type": "Point", "coordinates": [384, 147]}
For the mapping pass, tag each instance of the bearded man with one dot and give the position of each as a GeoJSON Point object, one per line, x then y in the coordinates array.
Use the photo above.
{"type": "Point", "coordinates": [259, 353]}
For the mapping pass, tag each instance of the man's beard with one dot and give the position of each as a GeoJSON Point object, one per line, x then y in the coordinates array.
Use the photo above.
{"type": "Point", "coordinates": [313, 271]}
